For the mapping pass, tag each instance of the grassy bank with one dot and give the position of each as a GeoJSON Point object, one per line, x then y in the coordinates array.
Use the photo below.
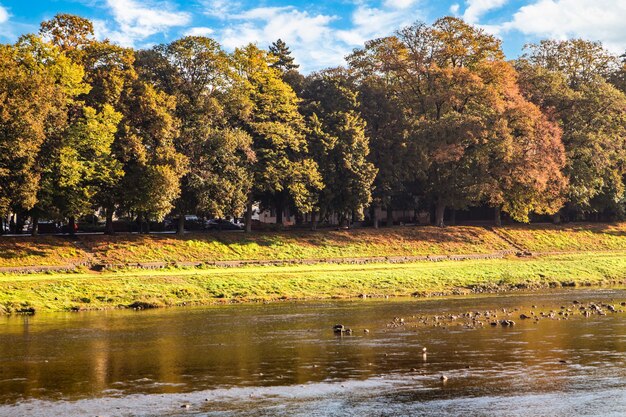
{"type": "Point", "coordinates": [358, 243]}
{"type": "Point", "coordinates": [207, 247]}
{"type": "Point", "coordinates": [569, 237]}
{"type": "Point", "coordinates": [87, 290]}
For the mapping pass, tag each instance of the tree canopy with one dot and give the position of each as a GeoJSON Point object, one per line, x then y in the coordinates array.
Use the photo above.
{"type": "Point", "coordinates": [431, 119]}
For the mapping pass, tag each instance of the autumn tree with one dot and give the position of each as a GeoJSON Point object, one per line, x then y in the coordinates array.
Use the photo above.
{"type": "Point", "coordinates": [524, 157]}
{"type": "Point", "coordinates": [436, 74]}
{"type": "Point", "coordinates": [338, 144]}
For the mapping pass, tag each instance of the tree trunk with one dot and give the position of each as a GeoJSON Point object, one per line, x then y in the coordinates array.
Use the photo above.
{"type": "Point", "coordinates": [375, 216]}
{"type": "Point", "coordinates": [147, 220]}
{"type": "Point", "coordinates": [389, 216]}
{"type": "Point", "coordinates": [35, 227]}
{"type": "Point", "coordinates": [279, 213]}
{"type": "Point", "coordinates": [314, 220]}
{"type": "Point", "coordinates": [453, 217]}
{"type": "Point", "coordinates": [180, 229]}
{"type": "Point", "coordinates": [497, 220]}
{"type": "Point", "coordinates": [71, 226]}
{"type": "Point", "coordinates": [440, 209]}
{"type": "Point", "coordinates": [249, 215]}
{"type": "Point", "coordinates": [556, 218]}
{"type": "Point", "coordinates": [108, 228]}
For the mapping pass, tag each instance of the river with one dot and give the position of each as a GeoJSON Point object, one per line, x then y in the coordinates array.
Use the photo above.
{"type": "Point", "coordinates": [284, 359]}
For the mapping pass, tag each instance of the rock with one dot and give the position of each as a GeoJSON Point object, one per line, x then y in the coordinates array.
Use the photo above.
{"type": "Point", "coordinates": [424, 350]}
{"type": "Point", "coordinates": [610, 308]}
{"type": "Point", "coordinates": [494, 323]}
{"type": "Point", "coordinates": [339, 328]}
{"type": "Point", "coordinates": [366, 331]}
{"type": "Point", "coordinates": [185, 406]}
{"type": "Point", "coordinates": [443, 378]}
{"type": "Point", "coordinates": [523, 316]}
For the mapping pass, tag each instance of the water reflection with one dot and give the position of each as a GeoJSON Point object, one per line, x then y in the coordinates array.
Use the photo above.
{"type": "Point", "coordinates": [179, 351]}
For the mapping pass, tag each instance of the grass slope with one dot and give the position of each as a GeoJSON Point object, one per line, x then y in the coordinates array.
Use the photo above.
{"type": "Point", "coordinates": [39, 251]}
{"type": "Point", "coordinates": [206, 247]}
{"type": "Point", "coordinates": [205, 286]}
{"type": "Point", "coordinates": [568, 238]}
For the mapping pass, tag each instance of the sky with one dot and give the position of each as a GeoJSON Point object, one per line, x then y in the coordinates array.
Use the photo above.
{"type": "Point", "coordinates": [322, 32]}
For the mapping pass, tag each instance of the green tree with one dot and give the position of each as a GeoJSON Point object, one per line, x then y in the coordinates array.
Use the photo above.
{"type": "Point", "coordinates": [60, 82]}
{"type": "Point", "coordinates": [391, 150]}
{"type": "Point", "coordinates": [197, 72]}
{"type": "Point", "coordinates": [145, 145]}
{"type": "Point", "coordinates": [591, 113]}
{"type": "Point", "coordinates": [284, 61]}
{"type": "Point", "coordinates": [338, 144]}
{"type": "Point", "coordinates": [267, 109]}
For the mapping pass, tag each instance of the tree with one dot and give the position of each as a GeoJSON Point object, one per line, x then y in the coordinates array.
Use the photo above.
{"type": "Point", "coordinates": [579, 60]}
{"type": "Point", "coordinates": [50, 84]}
{"type": "Point", "coordinates": [462, 109]}
{"type": "Point", "coordinates": [391, 151]}
{"type": "Point", "coordinates": [152, 166]}
{"type": "Point", "coordinates": [591, 113]}
{"type": "Point", "coordinates": [69, 32]}
{"type": "Point", "coordinates": [28, 97]}
{"type": "Point", "coordinates": [618, 78]}
{"type": "Point", "coordinates": [435, 73]}
{"type": "Point", "coordinates": [267, 109]}
{"type": "Point", "coordinates": [80, 163]}
{"type": "Point", "coordinates": [338, 144]}
{"type": "Point", "coordinates": [197, 72]}
{"type": "Point", "coordinates": [284, 60]}
{"type": "Point", "coordinates": [525, 157]}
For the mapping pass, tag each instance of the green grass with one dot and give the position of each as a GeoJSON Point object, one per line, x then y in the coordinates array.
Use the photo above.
{"type": "Point", "coordinates": [39, 251]}
{"type": "Point", "coordinates": [400, 241]}
{"type": "Point", "coordinates": [86, 290]}
{"type": "Point", "coordinates": [569, 237]}
{"type": "Point", "coordinates": [301, 245]}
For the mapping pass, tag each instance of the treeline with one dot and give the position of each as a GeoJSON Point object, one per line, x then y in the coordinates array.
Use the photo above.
{"type": "Point", "coordinates": [432, 117]}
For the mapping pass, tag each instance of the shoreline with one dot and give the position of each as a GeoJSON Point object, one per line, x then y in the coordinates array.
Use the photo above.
{"type": "Point", "coordinates": [140, 289]}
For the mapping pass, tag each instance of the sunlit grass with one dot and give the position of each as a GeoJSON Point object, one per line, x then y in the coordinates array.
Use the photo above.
{"type": "Point", "coordinates": [87, 290]}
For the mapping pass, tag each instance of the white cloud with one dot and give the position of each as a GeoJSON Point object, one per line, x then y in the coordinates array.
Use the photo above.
{"type": "Point", "coordinates": [138, 20]}
{"type": "Point", "coordinates": [219, 8]}
{"type": "Point", "coordinates": [454, 9]}
{"type": "Point", "coordinates": [477, 8]}
{"type": "Point", "coordinates": [602, 20]}
{"type": "Point", "coordinates": [313, 38]}
{"type": "Point", "coordinates": [4, 14]}
{"type": "Point", "coordinates": [308, 35]}
{"type": "Point", "coordinates": [198, 31]}
{"type": "Point", "coordinates": [399, 4]}
{"type": "Point", "coordinates": [370, 22]}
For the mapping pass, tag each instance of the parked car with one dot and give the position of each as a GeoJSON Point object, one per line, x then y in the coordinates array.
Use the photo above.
{"type": "Point", "coordinates": [221, 224]}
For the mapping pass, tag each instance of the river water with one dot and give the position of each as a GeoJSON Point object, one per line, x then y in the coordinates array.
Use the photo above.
{"type": "Point", "coordinates": [284, 359]}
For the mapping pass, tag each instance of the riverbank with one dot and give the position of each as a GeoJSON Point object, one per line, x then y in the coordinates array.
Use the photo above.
{"type": "Point", "coordinates": [87, 290]}
{"type": "Point", "coordinates": [98, 252]}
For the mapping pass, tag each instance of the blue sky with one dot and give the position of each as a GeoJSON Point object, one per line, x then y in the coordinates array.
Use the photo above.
{"type": "Point", "coordinates": [320, 33]}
